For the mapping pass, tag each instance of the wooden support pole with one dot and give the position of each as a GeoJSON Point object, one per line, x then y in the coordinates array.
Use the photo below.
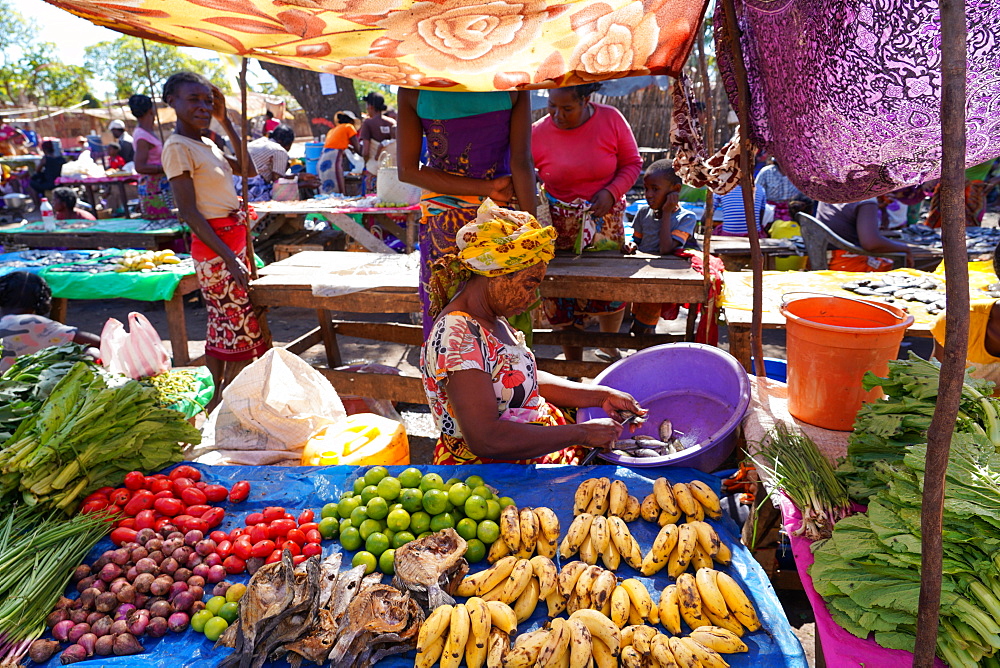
{"type": "Point", "coordinates": [746, 183]}
{"type": "Point", "coordinates": [953, 96]}
{"type": "Point", "coordinates": [244, 161]}
{"type": "Point", "coordinates": [709, 313]}
{"type": "Point", "coordinates": [152, 91]}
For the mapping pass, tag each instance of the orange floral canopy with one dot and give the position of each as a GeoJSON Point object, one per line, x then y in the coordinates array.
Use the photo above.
{"type": "Point", "coordinates": [460, 45]}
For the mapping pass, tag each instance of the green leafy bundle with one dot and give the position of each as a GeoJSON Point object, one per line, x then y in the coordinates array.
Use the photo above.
{"type": "Point", "coordinates": [88, 434]}
{"type": "Point", "coordinates": [26, 384]}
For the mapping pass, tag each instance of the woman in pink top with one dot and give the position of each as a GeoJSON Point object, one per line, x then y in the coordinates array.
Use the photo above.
{"type": "Point", "coordinates": [156, 200]}
{"type": "Point", "coordinates": [587, 159]}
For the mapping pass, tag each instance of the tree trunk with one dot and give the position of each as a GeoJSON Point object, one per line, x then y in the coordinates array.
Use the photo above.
{"type": "Point", "coordinates": [305, 87]}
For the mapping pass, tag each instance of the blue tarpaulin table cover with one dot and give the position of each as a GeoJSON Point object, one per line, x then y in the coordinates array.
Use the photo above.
{"type": "Point", "coordinates": [301, 488]}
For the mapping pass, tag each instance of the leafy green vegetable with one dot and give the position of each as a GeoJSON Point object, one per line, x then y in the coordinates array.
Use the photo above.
{"type": "Point", "coordinates": [26, 384]}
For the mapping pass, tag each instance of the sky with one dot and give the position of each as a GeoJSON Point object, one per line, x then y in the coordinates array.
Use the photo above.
{"type": "Point", "coordinates": [71, 34]}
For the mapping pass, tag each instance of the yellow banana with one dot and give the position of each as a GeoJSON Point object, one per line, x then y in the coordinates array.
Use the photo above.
{"type": "Point", "coordinates": [724, 557]}
{"type": "Point", "coordinates": [495, 594]}
{"type": "Point", "coordinates": [510, 527]}
{"type": "Point", "coordinates": [548, 529]}
{"type": "Point", "coordinates": [573, 603]}
{"type": "Point", "coordinates": [649, 509]}
{"type": "Point", "coordinates": [602, 589]}
{"type": "Point", "coordinates": [555, 602]}
{"type": "Point", "coordinates": [663, 545]}
{"type": "Point", "coordinates": [737, 601]}
{"type": "Point", "coordinates": [525, 604]}
{"type": "Point", "coordinates": [611, 558]}
{"type": "Point", "coordinates": [470, 585]}
{"type": "Point", "coordinates": [666, 518]}
{"type": "Point", "coordinates": [480, 623]}
{"type": "Point", "coordinates": [568, 576]}
{"type": "Point", "coordinates": [662, 656]}
{"type": "Point", "coordinates": [690, 601]}
{"type": "Point", "coordinates": [430, 654]}
{"type": "Point", "coordinates": [674, 565]}
{"type": "Point", "coordinates": [529, 530]}
{"type": "Point", "coordinates": [620, 604]}
{"type": "Point", "coordinates": [627, 634]}
{"type": "Point", "coordinates": [639, 596]}
{"type": "Point", "coordinates": [603, 658]}
{"type": "Point", "coordinates": [707, 537]}
{"type": "Point", "coordinates": [687, 538]}
{"type": "Point", "coordinates": [578, 530]}
{"type": "Point", "coordinates": [707, 497]}
{"type": "Point", "coordinates": [475, 656]}
{"type": "Point", "coordinates": [434, 627]}
{"type": "Point", "coordinates": [669, 609]}
{"type": "Point", "coordinates": [581, 648]}
{"type": "Point", "coordinates": [632, 511]}
{"type": "Point", "coordinates": [626, 544]}
{"type": "Point", "coordinates": [583, 494]}
{"type": "Point", "coordinates": [599, 501]}
{"type": "Point", "coordinates": [518, 580]}
{"type": "Point", "coordinates": [654, 614]}
{"type": "Point", "coordinates": [498, 550]}
{"type": "Point", "coordinates": [719, 640]}
{"type": "Point", "coordinates": [685, 501]}
{"type": "Point", "coordinates": [706, 658]}
{"type": "Point", "coordinates": [634, 618]}
{"type": "Point", "coordinates": [588, 554]}
{"type": "Point", "coordinates": [599, 536]}
{"type": "Point", "coordinates": [684, 657]}
{"type": "Point", "coordinates": [711, 597]}
{"type": "Point", "coordinates": [496, 648]}
{"type": "Point", "coordinates": [617, 498]}
{"type": "Point", "coordinates": [601, 628]}
{"type": "Point", "coordinates": [630, 657]}
{"type": "Point", "coordinates": [555, 644]}
{"type": "Point", "coordinates": [642, 636]}
{"type": "Point", "coordinates": [502, 616]}
{"type": "Point", "coordinates": [547, 573]}
{"type": "Point", "coordinates": [700, 560]}
{"type": "Point", "coordinates": [605, 609]}
{"type": "Point", "coordinates": [699, 513]}
{"type": "Point", "coordinates": [524, 654]}
{"type": "Point", "coordinates": [458, 636]}
{"type": "Point", "coordinates": [498, 573]}
{"type": "Point", "coordinates": [729, 623]}
{"type": "Point", "coordinates": [665, 496]}
{"type": "Point", "coordinates": [585, 585]}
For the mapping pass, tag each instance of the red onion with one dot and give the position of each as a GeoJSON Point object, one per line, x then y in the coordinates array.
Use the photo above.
{"type": "Point", "coordinates": [169, 566]}
{"type": "Point", "coordinates": [63, 603]}
{"type": "Point", "coordinates": [172, 532]}
{"type": "Point", "coordinates": [205, 547]}
{"type": "Point", "coordinates": [126, 594]}
{"type": "Point", "coordinates": [123, 611]}
{"type": "Point", "coordinates": [183, 601]}
{"type": "Point", "coordinates": [197, 606]}
{"type": "Point", "coordinates": [131, 574]}
{"type": "Point", "coordinates": [87, 641]}
{"type": "Point", "coordinates": [155, 544]}
{"type": "Point", "coordinates": [216, 573]}
{"type": "Point", "coordinates": [118, 627]}
{"type": "Point", "coordinates": [101, 627]}
{"type": "Point", "coordinates": [85, 583]}
{"type": "Point", "coordinates": [93, 617]}
{"type": "Point", "coordinates": [137, 624]}
{"type": "Point", "coordinates": [183, 574]}
{"type": "Point", "coordinates": [161, 585]}
{"type": "Point", "coordinates": [196, 581]}
{"type": "Point", "coordinates": [42, 650]}
{"type": "Point", "coordinates": [140, 600]}
{"type": "Point", "coordinates": [110, 572]}
{"type": "Point", "coordinates": [106, 602]}
{"type": "Point", "coordinates": [221, 589]}
{"type": "Point", "coordinates": [120, 556]}
{"type": "Point", "coordinates": [193, 561]}
{"type": "Point", "coordinates": [182, 553]}
{"type": "Point", "coordinates": [176, 588]}
{"type": "Point", "coordinates": [201, 571]}
{"type": "Point", "coordinates": [178, 622]}
{"type": "Point", "coordinates": [82, 571]}
{"type": "Point", "coordinates": [161, 609]}
{"type": "Point", "coordinates": [77, 631]}
{"type": "Point", "coordinates": [105, 646]}
{"type": "Point", "coordinates": [156, 556]}
{"type": "Point", "coordinates": [116, 586]}
{"type": "Point", "coordinates": [212, 560]}
{"type": "Point", "coordinates": [101, 560]}
{"type": "Point", "coordinates": [56, 616]}
{"type": "Point", "coordinates": [157, 627]}
{"type": "Point", "coordinates": [142, 582]}
{"type": "Point", "coordinates": [126, 644]}
{"type": "Point", "coordinates": [197, 592]}
{"type": "Point", "coordinates": [192, 537]}
{"type": "Point", "coordinates": [138, 553]}
{"type": "Point", "coordinates": [72, 654]}
{"type": "Point", "coordinates": [101, 585]}
{"type": "Point", "coordinates": [145, 565]}
{"type": "Point", "coordinates": [61, 630]}
{"type": "Point", "coordinates": [144, 536]}
{"type": "Point", "coordinates": [79, 616]}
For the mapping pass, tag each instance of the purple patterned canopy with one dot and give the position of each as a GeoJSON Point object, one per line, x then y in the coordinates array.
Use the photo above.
{"type": "Point", "coordinates": [846, 93]}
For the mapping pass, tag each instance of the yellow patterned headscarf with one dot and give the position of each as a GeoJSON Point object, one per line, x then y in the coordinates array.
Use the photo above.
{"type": "Point", "coordinates": [502, 241]}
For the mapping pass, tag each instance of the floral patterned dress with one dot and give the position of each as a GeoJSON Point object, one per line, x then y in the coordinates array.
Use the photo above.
{"type": "Point", "coordinates": [458, 343]}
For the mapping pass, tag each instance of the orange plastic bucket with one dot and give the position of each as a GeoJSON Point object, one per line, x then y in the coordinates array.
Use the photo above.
{"type": "Point", "coordinates": [831, 342]}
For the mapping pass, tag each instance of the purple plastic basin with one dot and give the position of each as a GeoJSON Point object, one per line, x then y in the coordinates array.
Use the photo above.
{"type": "Point", "coordinates": [702, 390]}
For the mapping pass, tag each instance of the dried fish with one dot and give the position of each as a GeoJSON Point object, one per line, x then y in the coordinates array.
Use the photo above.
{"type": "Point", "coordinates": [431, 568]}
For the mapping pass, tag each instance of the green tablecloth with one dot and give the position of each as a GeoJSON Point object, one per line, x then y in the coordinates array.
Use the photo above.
{"type": "Point", "coordinates": [71, 281]}
{"type": "Point", "coordinates": [109, 225]}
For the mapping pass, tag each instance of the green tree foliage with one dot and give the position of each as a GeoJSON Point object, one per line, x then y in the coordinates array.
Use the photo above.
{"type": "Point", "coordinates": [362, 88]}
{"type": "Point", "coordinates": [121, 63]}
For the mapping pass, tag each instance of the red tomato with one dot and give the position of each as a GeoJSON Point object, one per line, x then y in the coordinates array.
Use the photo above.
{"type": "Point", "coordinates": [224, 547]}
{"type": "Point", "coordinates": [262, 548]}
{"type": "Point", "coordinates": [185, 471]}
{"type": "Point", "coordinates": [272, 513]}
{"type": "Point", "coordinates": [304, 528]}
{"type": "Point", "coordinates": [280, 528]}
{"type": "Point", "coordinates": [242, 548]}
{"type": "Point", "coordinates": [279, 544]}
{"type": "Point", "coordinates": [165, 494]}
{"type": "Point", "coordinates": [234, 565]}
{"type": "Point", "coordinates": [218, 536]}
{"type": "Point", "coordinates": [100, 503]}
{"type": "Point", "coordinates": [296, 536]}
{"type": "Point", "coordinates": [181, 522]}
{"type": "Point", "coordinates": [134, 481]}
{"type": "Point", "coordinates": [213, 516]}
{"type": "Point", "coordinates": [162, 522]}
{"type": "Point", "coordinates": [180, 484]}
{"type": "Point", "coordinates": [198, 511]}
{"type": "Point", "coordinates": [292, 547]}
{"type": "Point", "coordinates": [215, 493]}
{"type": "Point", "coordinates": [314, 536]}
{"type": "Point", "coordinates": [193, 496]}
{"type": "Point", "coordinates": [120, 497]}
{"type": "Point", "coordinates": [123, 535]}
{"type": "Point", "coordinates": [236, 533]}
{"type": "Point", "coordinates": [104, 491]}
{"type": "Point", "coordinates": [170, 507]}
{"type": "Point", "coordinates": [160, 485]}
{"type": "Point", "coordinates": [254, 518]}
{"type": "Point", "coordinates": [196, 523]}
{"type": "Point", "coordinates": [239, 492]}
{"type": "Point", "coordinates": [115, 512]}
{"type": "Point", "coordinates": [94, 497]}
{"type": "Point", "coordinates": [289, 516]}
{"type": "Point", "coordinates": [306, 516]}
{"type": "Point", "coordinates": [145, 520]}
{"type": "Point", "coordinates": [148, 482]}
{"type": "Point", "coordinates": [258, 532]}
{"type": "Point", "coordinates": [142, 500]}
{"type": "Point", "coordinates": [275, 557]}
{"type": "Point", "coordinates": [201, 484]}
{"type": "Point", "coordinates": [299, 559]}
{"type": "Point", "coordinates": [311, 550]}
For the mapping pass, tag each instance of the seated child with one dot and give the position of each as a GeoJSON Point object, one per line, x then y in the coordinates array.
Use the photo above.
{"type": "Point", "coordinates": [115, 159]}
{"type": "Point", "coordinates": [64, 206]}
{"type": "Point", "coordinates": [25, 300]}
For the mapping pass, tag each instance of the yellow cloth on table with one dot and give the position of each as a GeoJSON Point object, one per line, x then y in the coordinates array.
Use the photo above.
{"type": "Point", "coordinates": [980, 362]}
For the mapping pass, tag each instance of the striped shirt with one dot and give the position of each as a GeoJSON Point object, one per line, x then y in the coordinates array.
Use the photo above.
{"type": "Point", "coordinates": [269, 157]}
{"type": "Point", "coordinates": [776, 186]}
{"type": "Point", "coordinates": [734, 220]}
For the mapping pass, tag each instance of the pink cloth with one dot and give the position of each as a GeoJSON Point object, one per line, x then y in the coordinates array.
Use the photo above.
{"type": "Point", "coordinates": [156, 146]}
{"type": "Point", "coordinates": [841, 649]}
{"type": "Point", "coordinates": [577, 163]}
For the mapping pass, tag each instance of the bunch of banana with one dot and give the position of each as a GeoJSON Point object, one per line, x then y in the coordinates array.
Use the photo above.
{"type": "Point", "coordinates": [525, 532]}
{"type": "Point", "coordinates": [581, 586]}
{"type": "Point", "coordinates": [708, 599]}
{"type": "Point", "coordinates": [519, 583]}
{"type": "Point", "coordinates": [597, 536]}
{"type": "Point", "coordinates": [644, 647]}
{"type": "Point", "coordinates": [631, 604]}
{"type": "Point", "coordinates": [132, 260]}
{"type": "Point", "coordinates": [694, 499]}
{"type": "Point", "coordinates": [601, 496]}
{"type": "Point", "coordinates": [587, 636]}
{"type": "Point", "coordinates": [477, 631]}
{"type": "Point", "coordinates": [679, 546]}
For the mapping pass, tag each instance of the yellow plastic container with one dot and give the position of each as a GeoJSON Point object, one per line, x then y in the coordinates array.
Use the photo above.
{"type": "Point", "coordinates": [364, 439]}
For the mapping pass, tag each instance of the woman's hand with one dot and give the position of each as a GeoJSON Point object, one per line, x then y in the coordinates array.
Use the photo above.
{"type": "Point", "coordinates": [616, 400]}
{"type": "Point", "coordinates": [501, 189]}
{"type": "Point", "coordinates": [601, 203]}
{"type": "Point", "coordinates": [240, 273]}
{"type": "Point", "coordinates": [600, 433]}
{"type": "Point", "coordinates": [218, 105]}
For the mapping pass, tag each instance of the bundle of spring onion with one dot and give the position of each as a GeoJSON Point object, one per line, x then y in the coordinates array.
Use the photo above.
{"type": "Point", "coordinates": [793, 464]}
{"type": "Point", "coordinates": [38, 554]}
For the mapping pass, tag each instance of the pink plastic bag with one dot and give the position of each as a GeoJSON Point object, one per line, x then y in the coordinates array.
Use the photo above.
{"type": "Point", "coordinates": [137, 353]}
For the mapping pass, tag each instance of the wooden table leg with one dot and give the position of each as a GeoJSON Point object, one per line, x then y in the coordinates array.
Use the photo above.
{"type": "Point", "coordinates": [329, 338]}
{"type": "Point", "coordinates": [177, 327]}
{"type": "Point", "coordinates": [412, 224]}
{"type": "Point", "coordinates": [59, 306]}
{"type": "Point", "coordinates": [739, 344]}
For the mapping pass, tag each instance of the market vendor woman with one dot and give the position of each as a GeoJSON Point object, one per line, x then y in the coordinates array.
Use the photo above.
{"type": "Point", "coordinates": [486, 394]}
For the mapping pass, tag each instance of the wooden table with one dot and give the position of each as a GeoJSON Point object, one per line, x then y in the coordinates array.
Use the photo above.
{"type": "Point", "coordinates": [92, 234]}
{"type": "Point", "coordinates": [735, 251]}
{"type": "Point", "coordinates": [608, 277]}
{"type": "Point", "coordinates": [90, 181]}
{"type": "Point", "coordinates": [274, 215]}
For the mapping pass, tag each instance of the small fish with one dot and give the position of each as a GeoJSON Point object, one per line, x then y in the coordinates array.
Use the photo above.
{"type": "Point", "coordinates": [666, 430]}
{"type": "Point", "coordinates": [626, 417]}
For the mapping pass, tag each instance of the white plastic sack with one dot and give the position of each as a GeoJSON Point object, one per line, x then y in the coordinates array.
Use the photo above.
{"type": "Point", "coordinates": [268, 412]}
{"type": "Point", "coordinates": [137, 353]}
{"type": "Point", "coordinates": [389, 188]}
{"type": "Point", "coordinates": [83, 166]}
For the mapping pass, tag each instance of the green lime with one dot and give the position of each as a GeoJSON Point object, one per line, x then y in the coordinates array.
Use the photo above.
{"type": "Point", "coordinates": [474, 551]}
{"type": "Point", "coordinates": [329, 510]}
{"type": "Point", "coordinates": [235, 592]}
{"type": "Point", "coordinates": [387, 562]}
{"type": "Point", "coordinates": [199, 619]}
{"type": "Point", "coordinates": [442, 521]}
{"type": "Point", "coordinates": [230, 611]}
{"type": "Point", "coordinates": [431, 481]}
{"type": "Point", "coordinates": [368, 527]}
{"type": "Point", "coordinates": [398, 520]}
{"type": "Point", "coordinates": [420, 522]}
{"type": "Point", "coordinates": [358, 515]}
{"type": "Point", "coordinates": [396, 506]}
{"type": "Point", "coordinates": [350, 539]}
{"type": "Point", "coordinates": [215, 627]}
{"type": "Point", "coordinates": [456, 517]}
{"type": "Point", "coordinates": [459, 493]}
{"type": "Point", "coordinates": [347, 506]}
{"type": "Point", "coordinates": [390, 534]}
{"type": "Point", "coordinates": [449, 506]}
{"type": "Point", "coordinates": [369, 493]}
{"type": "Point", "coordinates": [344, 524]}
{"type": "Point", "coordinates": [435, 501]}
{"type": "Point", "coordinates": [475, 507]}
{"type": "Point", "coordinates": [506, 501]}
{"type": "Point", "coordinates": [329, 528]}
{"type": "Point", "coordinates": [411, 499]}
{"type": "Point", "coordinates": [215, 604]}
{"type": "Point", "coordinates": [402, 538]}
{"type": "Point", "coordinates": [493, 510]}
{"type": "Point", "coordinates": [359, 485]}
{"type": "Point", "coordinates": [424, 535]}
{"type": "Point", "coordinates": [474, 481]}
{"type": "Point", "coordinates": [378, 508]}
{"type": "Point", "coordinates": [483, 491]}
{"type": "Point", "coordinates": [488, 531]}
{"type": "Point", "coordinates": [466, 528]}
{"type": "Point", "coordinates": [389, 488]}
{"type": "Point", "coordinates": [366, 559]}
{"type": "Point", "coordinates": [451, 482]}
{"type": "Point", "coordinates": [411, 477]}
{"type": "Point", "coordinates": [375, 474]}
{"type": "Point", "coordinates": [345, 495]}
{"type": "Point", "coordinates": [377, 543]}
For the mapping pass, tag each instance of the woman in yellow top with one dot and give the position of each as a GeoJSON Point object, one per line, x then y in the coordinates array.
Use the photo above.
{"type": "Point", "coordinates": [331, 163]}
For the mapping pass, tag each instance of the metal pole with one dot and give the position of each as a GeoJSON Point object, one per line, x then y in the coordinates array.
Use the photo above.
{"type": "Point", "coordinates": [746, 183]}
{"type": "Point", "coordinates": [953, 75]}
